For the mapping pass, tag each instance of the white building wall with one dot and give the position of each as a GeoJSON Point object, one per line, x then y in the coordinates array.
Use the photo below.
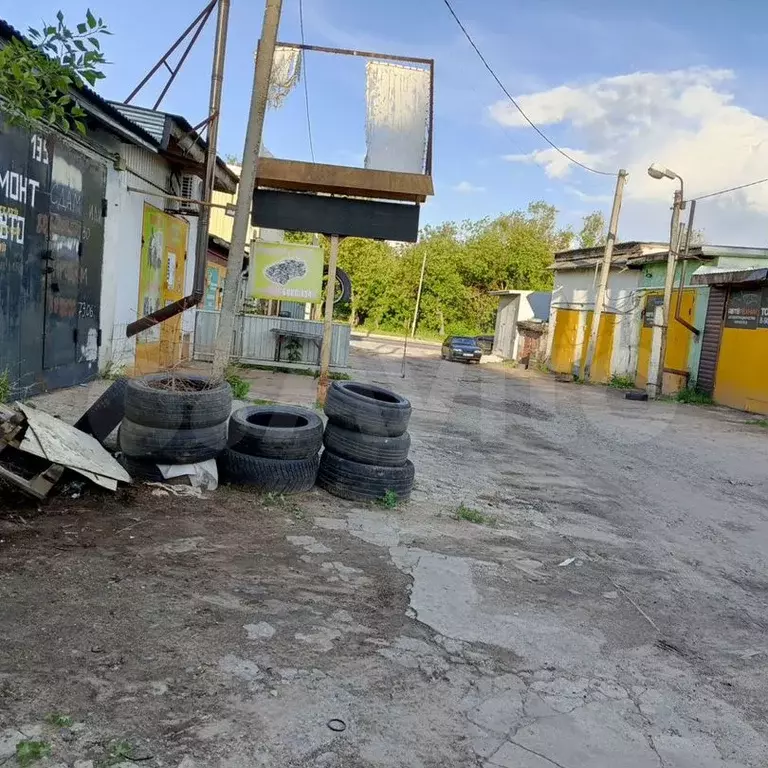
{"type": "Point", "coordinates": [122, 252]}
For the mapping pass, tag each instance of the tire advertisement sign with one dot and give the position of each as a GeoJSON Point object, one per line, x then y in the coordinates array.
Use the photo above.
{"type": "Point", "coordinates": [287, 271]}
{"type": "Point", "coordinates": [747, 310]}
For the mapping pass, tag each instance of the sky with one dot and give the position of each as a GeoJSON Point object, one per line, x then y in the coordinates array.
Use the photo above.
{"type": "Point", "coordinates": [617, 84]}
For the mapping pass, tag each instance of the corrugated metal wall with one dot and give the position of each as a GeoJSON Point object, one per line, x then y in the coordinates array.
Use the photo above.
{"type": "Point", "coordinates": [710, 341]}
{"type": "Point", "coordinates": [255, 342]}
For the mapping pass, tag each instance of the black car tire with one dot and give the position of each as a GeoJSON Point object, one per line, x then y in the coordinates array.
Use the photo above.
{"type": "Point", "coordinates": [636, 394]}
{"type": "Point", "coordinates": [367, 408]}
{"type": "Point", "coordinates": [363, 482]}
{"type": "Point", "coordinates": [367, 449]}
{"type": "Point", "coordinates": [106, 413]}
{"type": "Point", "coordinates": [172, 446]}
{"type": "Point", "coordinates": [195, 402]}
{"type": "Point", "coordinates": [276, 431]}
{"type": "Point", "coordinates": [275, 475]}
{"type": "Point", "coordinates": [141, 470]}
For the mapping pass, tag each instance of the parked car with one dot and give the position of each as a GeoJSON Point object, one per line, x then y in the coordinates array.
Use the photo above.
{"type": "Point", "coordinates": [462, 348]}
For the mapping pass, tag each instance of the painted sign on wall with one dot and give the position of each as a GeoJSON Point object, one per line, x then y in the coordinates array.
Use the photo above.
{"type": "Point", "coordinates": [286, 271]}
{"type": "Point", "coordinates": [161, 281]}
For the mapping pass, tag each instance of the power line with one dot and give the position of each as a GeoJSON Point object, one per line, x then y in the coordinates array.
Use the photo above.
{"type": "Point", "coordinates": [517, 106]}
{"type": "Point", "coordinates": [304, 77]}
{"type": "Point", "coordinates": [731, 189]}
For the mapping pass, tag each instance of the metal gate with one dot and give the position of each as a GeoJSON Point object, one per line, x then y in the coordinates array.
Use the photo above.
{"type": "Point", "coordinates": [710, 341]}
{"type": "Point", "coordinates": [51, 249]}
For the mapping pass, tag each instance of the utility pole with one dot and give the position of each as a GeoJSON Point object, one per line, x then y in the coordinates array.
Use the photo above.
{"type": "Point", "coordinates": [325, 350]}
{"type": "Point", "coordinates": [214, 110]}
{"type": "Point", "coordinates": [262, 73]}
{"type": "Point", "coordinates": [613, 225]}
{"type": "Point", "coordinates": [418, 294]}
{"type": "Point", "coordinates": [669, 280]}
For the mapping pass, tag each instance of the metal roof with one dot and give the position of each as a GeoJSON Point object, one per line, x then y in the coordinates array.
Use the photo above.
{"type": "Point", "coordinates": [151, 121]}
{"type": "Point", "coordinates": [707, 275]}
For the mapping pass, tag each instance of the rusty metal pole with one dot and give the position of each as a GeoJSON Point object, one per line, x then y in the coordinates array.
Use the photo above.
{"type": "Point", "coordinates": [325, 353]}
{"type": "Point", "coordinates": [214, 108]}
{"type": "Point", "coordinates": [265, 54]}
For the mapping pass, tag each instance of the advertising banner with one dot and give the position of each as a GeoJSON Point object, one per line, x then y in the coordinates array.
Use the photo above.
{"type": "Point", "coordinates": [287, 271]}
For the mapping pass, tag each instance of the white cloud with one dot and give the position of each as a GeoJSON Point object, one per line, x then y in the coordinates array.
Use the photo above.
{"type": "Point", "coordinates": [555, 164]}
{"type": "Point", "coordinates": [687, 120]}
{"type": "Point", "coordinates": [588, 198]}
{"type": "Point", "coordinates": [467, 187]}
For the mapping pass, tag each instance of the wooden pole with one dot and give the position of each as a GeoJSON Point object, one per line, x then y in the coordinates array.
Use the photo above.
{"type": "Point", "coordinates": [613, 226]}
{"type": "Point", "coordinates": [325, 353]}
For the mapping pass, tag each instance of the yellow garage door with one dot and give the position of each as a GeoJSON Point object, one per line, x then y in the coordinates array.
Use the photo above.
{"type": "Point", "coordinates": [742, 368]}
{"type": "Point", "coordinates": [564, 340]}
{"type": "Point", "coordinates": [678, 340]}
{"type": "Point", "coordinates": [601, 364]}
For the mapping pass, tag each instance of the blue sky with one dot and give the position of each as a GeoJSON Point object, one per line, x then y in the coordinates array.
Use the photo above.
{"type": "Point", "coordinates": [621, 83]}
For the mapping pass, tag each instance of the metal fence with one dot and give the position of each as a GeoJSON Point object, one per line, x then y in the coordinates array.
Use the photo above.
{"type": "Point", "coordinates": [255, 340]}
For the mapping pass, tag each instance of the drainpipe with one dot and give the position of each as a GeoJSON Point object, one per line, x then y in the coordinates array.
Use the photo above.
{"type": "Point", "coordinates": [201, 245]}
{"type": "Point", "coordinates": [683, 263]}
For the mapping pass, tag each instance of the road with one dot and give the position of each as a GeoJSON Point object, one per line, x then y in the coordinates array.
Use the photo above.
{"type": "Point", "coordinates": [608, 610]}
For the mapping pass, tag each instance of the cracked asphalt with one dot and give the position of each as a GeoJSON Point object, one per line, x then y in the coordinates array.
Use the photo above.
{"type": "Point", "coordinates": [611, 613]}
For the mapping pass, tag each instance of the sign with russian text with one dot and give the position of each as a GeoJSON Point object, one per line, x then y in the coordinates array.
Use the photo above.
{"type": "Point", "coordinates": [286, 271]}
{"type": "Point", "coordinates": [744, 309]}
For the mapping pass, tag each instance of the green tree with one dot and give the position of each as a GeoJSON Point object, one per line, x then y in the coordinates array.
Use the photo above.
{"type": "Point", "coordinates": [592, 231]}
{"type": "Point", "coordinates": [37, 74]}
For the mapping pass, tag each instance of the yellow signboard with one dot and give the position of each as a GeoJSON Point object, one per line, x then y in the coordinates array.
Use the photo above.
{"type": "Point", "coordinates": [287, 271]}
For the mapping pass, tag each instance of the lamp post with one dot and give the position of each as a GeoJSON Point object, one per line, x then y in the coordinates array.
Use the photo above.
{"type": "Point", "coordinates": [656, 171]}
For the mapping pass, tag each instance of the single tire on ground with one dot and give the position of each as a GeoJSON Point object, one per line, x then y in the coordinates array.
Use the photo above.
{"type": "Point", "coordinates": [276, 432]}
{"type": "Point", "coordinates": [172, 446]}
{"type": "Point", "coordinates": [363, 482]}
{"type": "Point", "coordinates": [636, 394]}
{"type": "Point", "coordinates": [367, 449]}
{"type": "Point", "coordinates": [106, 413]}
{"type": "Point", "coordinates": [367, 408]}
{"type": "Point", "coordinates": [276, 475]}
{"type": "Point", "coordinates": [177, 402]}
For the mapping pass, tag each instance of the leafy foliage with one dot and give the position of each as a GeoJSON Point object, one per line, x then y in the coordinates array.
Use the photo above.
{"type": "Point", "coordinates": [28, 752]}
{"type": "Point", "coordinates": [593, 230]}
{"type": "Point", "coordinates": [693, 396]}
{"type": "Point", "coordinates": [38, 74]}
{"type": "Point", "coordinates": [474, 516]}
{"type": "Point", "coordinates": [621, 381]}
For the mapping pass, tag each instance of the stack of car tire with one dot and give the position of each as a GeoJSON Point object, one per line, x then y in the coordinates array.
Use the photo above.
{"type": "Point", "coordinates": [366, 443]}
{"type": "Point", "coordinates": [274, 448]}
{"type": "Point", "coordinates": [172, 420]}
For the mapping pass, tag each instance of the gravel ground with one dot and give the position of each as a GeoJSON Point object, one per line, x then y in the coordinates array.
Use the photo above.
{"type": "Point", "coordinates": [608, 610]}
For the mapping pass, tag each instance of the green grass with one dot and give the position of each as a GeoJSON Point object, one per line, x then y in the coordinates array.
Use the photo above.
{"type": "Point", "coordinates": [119, 752]}
{"type": "Point", "coordinates": [59, 720]}
{"type": "Point", "coordinates": [389, 500]}
{"type": "Point", "coordinates": [113, 371]}
{"type": "Point", "coordinates": [5, 387]}
{"type": "Point", "coordinates": [28, 752]}
{"type": "Point", "coordinates": [759, 423]}
{"type": "Point", "coordinates": [693, 396]}
{"type": "Point", "coordinates": [474, 516]}
{"type": "Point", "coordinates": [260, 401]}
{"type": "Point", "coordinates": [621, 381]}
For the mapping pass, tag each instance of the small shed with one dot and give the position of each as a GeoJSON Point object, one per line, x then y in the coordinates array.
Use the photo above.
{"type": "Point", "coordinates": [516, 307]}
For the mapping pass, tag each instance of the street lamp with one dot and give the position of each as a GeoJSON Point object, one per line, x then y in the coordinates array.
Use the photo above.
{"type": "Point", "coordinates": [656, 171]}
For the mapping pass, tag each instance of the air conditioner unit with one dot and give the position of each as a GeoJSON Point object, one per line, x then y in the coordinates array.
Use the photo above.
{"type": "Point", "coordinates": [192, 189]}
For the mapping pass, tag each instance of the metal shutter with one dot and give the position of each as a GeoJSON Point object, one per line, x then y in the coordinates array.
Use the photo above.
{"type": "Point", "coordinates": [710, 342]}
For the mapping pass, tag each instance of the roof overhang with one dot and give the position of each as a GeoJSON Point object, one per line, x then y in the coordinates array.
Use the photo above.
{"type": "Point", "coordinates": [715, 276]}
